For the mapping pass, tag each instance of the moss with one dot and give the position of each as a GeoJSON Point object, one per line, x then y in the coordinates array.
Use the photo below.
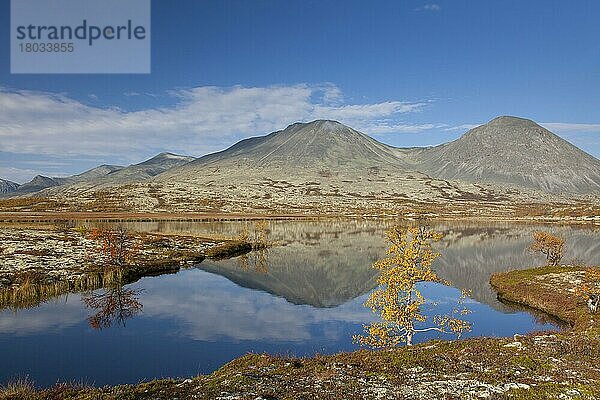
{"type": "Point", "coordinates": [531, 364]}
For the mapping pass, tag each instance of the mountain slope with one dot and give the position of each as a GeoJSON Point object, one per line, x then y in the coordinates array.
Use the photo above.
{"type": "Point", "coordinates": [326, 166]}
{"type": "Point", "coordinates": [514, 151]}
{"type": "Point", "coordinates": [145, 170]}
{"type": "Point", "coordinates": [317, 144]}
{"type": "Point", "coordinates": [91, 174]}
{"type": "Point", "coordinates": [106, 176]}
{"type": "Point", "coordinates": [7, 186]}
{"type": "Point", "coordinates": [39, 182]}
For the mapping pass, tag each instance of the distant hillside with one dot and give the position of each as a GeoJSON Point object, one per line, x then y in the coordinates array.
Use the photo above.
{"type": "Point", "coordinates": [7, 186]}
{"type": "Point", "coordinates": [91, 174]}
{"type": "Point", "coordinates": [516, 151]}
{"type": "Point", "coordinates": [38, 183]}
{"type": "Point", "coordinates": [104, 175]}
{"type": "Point", "coordinates": [144, 170]}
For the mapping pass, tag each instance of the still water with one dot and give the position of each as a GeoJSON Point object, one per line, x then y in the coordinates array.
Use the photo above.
{"type": "Point", "coordinates": [305, 298]}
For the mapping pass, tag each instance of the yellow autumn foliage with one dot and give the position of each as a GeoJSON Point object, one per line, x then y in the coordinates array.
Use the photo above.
{"type": "Point", "coordinates": [397, 299]}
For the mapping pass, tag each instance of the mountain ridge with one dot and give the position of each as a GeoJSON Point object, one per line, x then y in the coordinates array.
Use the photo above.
{"type": "Point", "coordinates": [104, 174]}
{"type": "Point", "coordinates": [324, 163]}
{"type": "Point", "coordinates": [506, 151]}
{"type": "Point", "coordinates": [7, 186]}
{"type": "Point", "coordinates": [514, 151]}
{"type": "Point", "coordinates": [300, 144]}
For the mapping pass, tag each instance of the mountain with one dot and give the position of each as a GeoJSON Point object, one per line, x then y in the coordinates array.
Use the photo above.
{"type": "Point", "coordinates": [506, 152]}
{"type": "Point", "coordinates": [320, 163]}
{"type": "Point", "coordinates": [91, 174]}
{"type": "Point", "coordinates": [7, 186]}
{"type": "Point", "coordinates": [321, 144]}
{"type": "Point", "coordinates": [105, 175]}
{"type": "Point", "coordinates": [513, 151]}
{"type": "Point", "coordinates": [144, 170]}
{"type": "Point", "coordinates": [327, 166]}
{"type": "Point", "coordinates": [39, 182]}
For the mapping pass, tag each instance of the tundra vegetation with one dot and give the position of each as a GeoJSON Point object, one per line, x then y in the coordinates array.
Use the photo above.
{"type": "Point", "coordinates": [42, 263]}
{"type": "Point", "coordinates": [552, 247]}
{"type": "Point", "coordinates": [398, 300]}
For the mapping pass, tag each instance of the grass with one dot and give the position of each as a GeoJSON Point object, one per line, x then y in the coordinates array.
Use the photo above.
{"type": "Point", "coordinates": [32, 289]}
{"type": "Point", "coordinates": [18, 389]}
{"type": "Point", "coordinates": [534, 288]}
{"type": "Point", "coordinates": [31, 204]}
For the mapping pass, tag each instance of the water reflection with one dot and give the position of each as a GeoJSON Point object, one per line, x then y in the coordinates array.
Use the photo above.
{"type": "Point", "coordinates": [328, 264]}
{"type": "Point", "coordinates": [256, 261]}
{"type": "Point", "coordinates": [300, 298]}
{"type": "Point", "coordinates": [194, 322]}
{"type": "Point", "coordinates": [114, 304]}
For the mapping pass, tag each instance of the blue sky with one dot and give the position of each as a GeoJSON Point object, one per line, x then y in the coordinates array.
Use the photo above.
{"type": "Point", "coordinates": [407, 73]}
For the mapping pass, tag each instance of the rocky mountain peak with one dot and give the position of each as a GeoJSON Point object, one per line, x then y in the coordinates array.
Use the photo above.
{"type": "Point", "coordinates": [514, 151]}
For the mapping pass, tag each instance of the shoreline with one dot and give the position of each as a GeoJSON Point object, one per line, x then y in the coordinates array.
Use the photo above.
{"type": "Point", "coordinates": [39, 264]}
{"type": "Point", "coordinates": [483, 367]}
{"type": "Point", "coordinates": [116, 217]}
{"type": "Point", "coordinates": [539, 365]}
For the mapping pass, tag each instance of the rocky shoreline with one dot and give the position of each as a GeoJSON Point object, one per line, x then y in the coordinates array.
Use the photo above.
{"type": "Point", "coordinates": [38, 264]}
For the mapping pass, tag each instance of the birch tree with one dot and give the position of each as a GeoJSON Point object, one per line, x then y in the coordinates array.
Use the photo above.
{"type": "Point", "coordinates": [397, 298]}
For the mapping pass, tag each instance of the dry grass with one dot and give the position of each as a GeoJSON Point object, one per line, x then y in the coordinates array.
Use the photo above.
{"type": "Point", "coordinates": [31, 288]}
{"type": "Point", "coordinates": [534, 288]}
{"type": "Point", "coordinates": [18, 389]}
{"type": "Point", "coordinates": [31, 204]}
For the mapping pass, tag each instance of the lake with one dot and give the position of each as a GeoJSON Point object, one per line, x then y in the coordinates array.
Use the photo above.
{"type": "Point", "coordinates": [304, 297]}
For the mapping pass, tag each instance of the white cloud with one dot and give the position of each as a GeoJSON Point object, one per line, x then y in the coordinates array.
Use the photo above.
{"type": "Point", "coordinates": [18, 175]}
{"type": "Point", "coordinates": [401, 128]}
{"type": "Point", "coordinates": [570, 127]}
{"type": "Point", "coordinates": [200, 120]}
{"type": "Point", "coordinates": [461, 128]}
{"type": "Point", "coordinates": [429, 7]}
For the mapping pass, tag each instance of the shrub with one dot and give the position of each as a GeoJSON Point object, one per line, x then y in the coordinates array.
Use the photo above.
{"type": "Point", "coordinates": [549, 245]}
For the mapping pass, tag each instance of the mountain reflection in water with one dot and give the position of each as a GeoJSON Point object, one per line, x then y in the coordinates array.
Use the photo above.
{"type": "Point", "coordinates": [303, 297]}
